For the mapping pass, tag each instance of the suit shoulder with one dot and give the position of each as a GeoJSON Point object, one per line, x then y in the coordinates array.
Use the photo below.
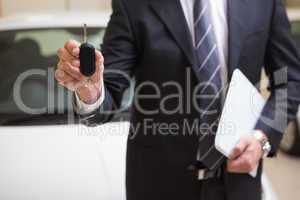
{"type": "Point", "coordinates": [133, 8]}
{"type": "Point", "coordinates": [130, 3]}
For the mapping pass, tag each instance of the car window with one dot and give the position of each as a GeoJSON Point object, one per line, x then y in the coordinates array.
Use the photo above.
{"type": "Point", "coordinates": [27, 62]}
{"type": "Point", "coordinates": [49, 39]}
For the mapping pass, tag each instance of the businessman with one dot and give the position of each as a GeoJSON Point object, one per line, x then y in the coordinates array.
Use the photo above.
{"type": "Point", "coordinates": [182, 54]}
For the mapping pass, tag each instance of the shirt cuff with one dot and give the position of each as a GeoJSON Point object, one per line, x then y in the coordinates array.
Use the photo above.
{"type": "Point", "coordinates": [82, 108]}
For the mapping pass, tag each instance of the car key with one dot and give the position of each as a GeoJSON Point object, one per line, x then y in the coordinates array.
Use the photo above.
{"type": "Point", "coordinates": [87, 56]}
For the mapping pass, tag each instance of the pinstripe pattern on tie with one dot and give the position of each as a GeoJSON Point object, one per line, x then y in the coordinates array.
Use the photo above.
{"type": "Point", "coordinates": [209, 70]}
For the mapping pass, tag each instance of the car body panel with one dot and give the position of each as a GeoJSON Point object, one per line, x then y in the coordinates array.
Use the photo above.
{"type": "Point", "coordinates": [63, 162]}
{"type": "Point", "coordinates": [294, 14]}
{"type": "Point", "coordinates": [59, 20]}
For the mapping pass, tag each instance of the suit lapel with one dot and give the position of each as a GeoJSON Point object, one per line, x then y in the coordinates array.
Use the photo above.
{"type": "Point", "coordinates": [238, 11]}
{"type": "Point", "coordinates": [171, 14]}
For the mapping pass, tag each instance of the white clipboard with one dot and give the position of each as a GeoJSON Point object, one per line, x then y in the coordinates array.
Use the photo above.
{"type": "Point", "coordinates": [242, 109]}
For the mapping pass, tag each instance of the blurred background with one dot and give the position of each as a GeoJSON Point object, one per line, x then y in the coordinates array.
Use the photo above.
{"type": "Point", "coordinates": [8, 7]}
{"type": "Point", "coordinates": [282, 172]}
{"type": "Point", "coordinates": [292, 3]}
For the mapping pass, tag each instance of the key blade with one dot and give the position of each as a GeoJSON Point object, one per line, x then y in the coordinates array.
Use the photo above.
{"type": "Point", "coordinates": [85, 34]}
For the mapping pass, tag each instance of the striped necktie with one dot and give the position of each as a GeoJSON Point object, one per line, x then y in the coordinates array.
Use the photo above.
{"type": "Point", "coordinates": [209, 69]}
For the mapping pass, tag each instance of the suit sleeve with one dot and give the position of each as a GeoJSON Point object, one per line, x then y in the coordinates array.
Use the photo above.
{"type": "Point", "coordinates": [282, 65]}
{"type": "Point", "coordinates": [119, 52]}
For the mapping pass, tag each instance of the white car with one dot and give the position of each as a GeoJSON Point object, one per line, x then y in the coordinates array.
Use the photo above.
{"type": "Point", "coordinates": [47, 154]}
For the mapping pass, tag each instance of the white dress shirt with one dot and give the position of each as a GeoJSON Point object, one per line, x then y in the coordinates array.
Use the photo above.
{"type": "Point", "coordinates": [84, 109]}
{"type": "Point", "coordinates": [218, 12]}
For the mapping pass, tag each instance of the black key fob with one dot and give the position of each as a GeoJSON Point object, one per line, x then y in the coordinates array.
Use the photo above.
{"type": "Point", "coordinates": [87, 57]}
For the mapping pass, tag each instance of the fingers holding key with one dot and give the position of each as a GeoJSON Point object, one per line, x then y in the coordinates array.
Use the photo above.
{"type": "Point", "coordinates": [73, 48]}
{"type": "Point", "coordinates": [70, 70]}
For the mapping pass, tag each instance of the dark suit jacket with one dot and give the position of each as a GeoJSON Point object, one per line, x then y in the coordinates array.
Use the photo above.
{"type": "Point", "coordinates": [150, 40]}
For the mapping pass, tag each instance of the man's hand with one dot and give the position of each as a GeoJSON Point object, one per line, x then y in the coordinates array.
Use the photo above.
{"type": "Point", "coordinates": [245, 156]}
{"type": "Point", "coordinates": [68, 73]}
